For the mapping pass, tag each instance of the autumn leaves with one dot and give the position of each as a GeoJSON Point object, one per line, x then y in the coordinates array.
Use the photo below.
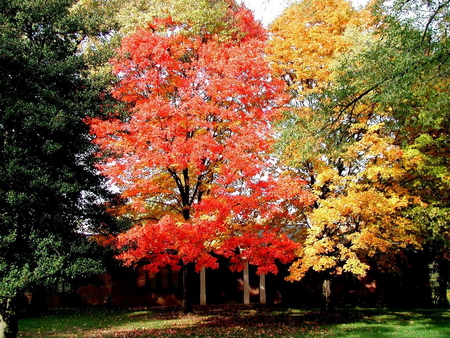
{"type": "Point", "coordinates": [193, 157]}
{"type": "Point", "coordinates": [231, 141]}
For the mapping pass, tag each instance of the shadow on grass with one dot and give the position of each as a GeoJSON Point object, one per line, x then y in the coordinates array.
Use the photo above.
{"type": "Point", "coordinates": [240, 322]}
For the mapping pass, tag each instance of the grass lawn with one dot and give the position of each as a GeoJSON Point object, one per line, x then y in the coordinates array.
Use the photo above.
{"type": "Point", "coordinates": [237, 322]}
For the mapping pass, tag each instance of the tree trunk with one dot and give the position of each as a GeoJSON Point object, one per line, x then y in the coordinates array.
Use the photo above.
{"type": "Point", "coordinates": [326, 293]}
{"type": "Point", "coordinates": [8, 320]}
{"type": "Point", "coordinates": [443, 279]}
{"type": "Point", "coordinates": [186, 302]}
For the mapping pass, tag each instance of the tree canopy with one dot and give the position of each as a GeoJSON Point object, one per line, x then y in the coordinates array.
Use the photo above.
{"type": "Point", "coordinates": [405, 76]}
{"type": "Point", "coordinates": [192, 154]}
{"type": "Point", "coordinates": [376, 123]}
{"type": "Point", "coordinates": [325, 140]}
{"type": "Point", "coordinates": [49, 189]}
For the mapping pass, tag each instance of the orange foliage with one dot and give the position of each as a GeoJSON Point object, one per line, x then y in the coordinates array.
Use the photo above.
{"type": "Point", "coordinates": [306, 39]}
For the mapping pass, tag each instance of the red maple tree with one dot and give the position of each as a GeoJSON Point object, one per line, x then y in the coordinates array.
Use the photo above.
{"type": "Point", "coordinates": [191, 155]}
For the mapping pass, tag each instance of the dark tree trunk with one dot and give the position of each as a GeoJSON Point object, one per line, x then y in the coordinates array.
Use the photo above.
{"type": "Point", "coordinates": [8, 320]}
{"type": "Point", "coordinates": [443, 279]}
{"type": "Point", "coordinates": [186, 302]}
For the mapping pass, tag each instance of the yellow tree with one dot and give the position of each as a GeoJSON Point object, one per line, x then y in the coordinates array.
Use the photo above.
{"type": "Point", "coordinates": [402, 81]}
{"type": "Point", "coordinates": [361, 213]}
{"type": "Point", "coordinates": [350, 161]}
{"type": "Point", "coordinates": [306, 38]}
{"type": "Point", "coordinates": [306, 41]}
{"type": "Point", "coordinates": [406, 73]}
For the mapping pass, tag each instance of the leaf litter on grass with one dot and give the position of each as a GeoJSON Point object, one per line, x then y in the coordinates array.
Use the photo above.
{"type": "Point", "coordinates": [227, 322]}
{"type": "Point", "coordinates": [232, 323]}
{"type": "Point", "coordinates": [237, 322]}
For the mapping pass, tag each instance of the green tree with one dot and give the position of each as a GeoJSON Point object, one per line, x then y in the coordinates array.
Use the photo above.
{"type": "Point", "coordinates": [49, 191]}
{"type": "Point", "coordinates": [375, 125]}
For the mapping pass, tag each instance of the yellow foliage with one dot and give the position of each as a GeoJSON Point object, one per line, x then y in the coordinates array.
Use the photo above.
{"type": "Point", "coordinates": [118, 18]}
{"type": "Point", "coordinates": [307, 38]}
{"type": "Point", "coordinates": [306, 42]}
{"type": "Point", "coordinates": [360, 176]}
{"type": "Point", "coordinates": [362, 213]}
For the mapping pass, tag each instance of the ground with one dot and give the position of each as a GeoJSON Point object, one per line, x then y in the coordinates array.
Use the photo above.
{"type": "Point", "coordinates": [237, 322]}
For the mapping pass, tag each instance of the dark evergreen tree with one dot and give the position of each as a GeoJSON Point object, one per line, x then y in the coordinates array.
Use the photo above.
{"type": "Point", "coordinates": [49, 190]}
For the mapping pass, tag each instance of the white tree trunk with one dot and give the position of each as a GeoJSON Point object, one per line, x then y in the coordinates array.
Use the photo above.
{"type": "Point", "coordinates": [326, 292]}
{"type": "Point", "coordinates": [8, 320]}
{"type": "Point", "coordinates": [2, 326]}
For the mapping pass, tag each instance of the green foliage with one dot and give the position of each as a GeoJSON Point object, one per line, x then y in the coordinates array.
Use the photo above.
{"type": "Point", "coordinates": [48, 189]}
{"type": "Point", "coordinates": [122, 17]}
{"type": "Point", "coordinates": [405, 70]}
{"type": "Point", "coordinates": [402, 81]}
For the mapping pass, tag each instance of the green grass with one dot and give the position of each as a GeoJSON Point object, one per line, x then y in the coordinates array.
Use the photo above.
{"type": "Point", "coordinates": [237, 322]}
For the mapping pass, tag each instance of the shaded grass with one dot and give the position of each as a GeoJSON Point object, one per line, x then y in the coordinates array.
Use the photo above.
{"type": "Point", "coordinates": [237, 322]}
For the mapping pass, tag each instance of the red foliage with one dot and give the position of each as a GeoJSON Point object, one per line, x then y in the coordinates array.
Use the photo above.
{"type": "Point", "coordinates": [192, 155]}
{"type": "Point", "coordinates": [246, 26]}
